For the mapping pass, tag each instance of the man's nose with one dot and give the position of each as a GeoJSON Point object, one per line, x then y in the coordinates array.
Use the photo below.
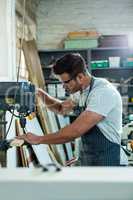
{"type": "Point", "coordinates": [64, 86]}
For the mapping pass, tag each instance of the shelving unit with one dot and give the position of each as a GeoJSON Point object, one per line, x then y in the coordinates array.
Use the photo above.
{"type": "Point", "coordinates": [115, 74]}
{"type": "Point", "coordinates": [118, 74]}
{"type": "Point", "coordinates": [48, 56]}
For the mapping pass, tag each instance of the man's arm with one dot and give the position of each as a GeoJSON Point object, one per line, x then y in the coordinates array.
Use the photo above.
{"type": "Point", "coordinates": [54, 104]}
{"type": "Point", "coordinates": [78, 128]}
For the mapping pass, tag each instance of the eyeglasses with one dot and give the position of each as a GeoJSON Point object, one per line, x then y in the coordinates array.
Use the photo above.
{"type": "Point", "coordinates": [66, 82]}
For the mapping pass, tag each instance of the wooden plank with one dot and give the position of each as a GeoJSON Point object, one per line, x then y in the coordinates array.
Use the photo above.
{"type": "Point", "coordinates": [47, 128]}
{"type": "Point", "coordinates": [30, 18]}
{"type": "Point", "coordinates": [22, 148]}
{"type": "Point", "coordinates": [42, 114]}
{"type": "Point", "coordinates": [11, 153]}
{"type": "Point", "coordinates": [29, 156]}
{"type": "Point", "coordinates": [36, 77]}
{"type": "Point", "coordinates": [41, 151]}
{"type": "Point", "coordinates": [33, 63]}
{"type": "Point", "coordinates": [63, 121]}
{"type": "Point", "coordinates": [55, 128]}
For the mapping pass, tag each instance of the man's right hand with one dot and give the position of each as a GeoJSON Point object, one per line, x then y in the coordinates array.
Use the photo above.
{"type": "Point", "coordinates": [67, 106]}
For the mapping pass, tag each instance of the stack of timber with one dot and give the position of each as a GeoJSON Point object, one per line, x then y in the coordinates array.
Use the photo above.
{"type": "Point", "coordinates": [47, 120]}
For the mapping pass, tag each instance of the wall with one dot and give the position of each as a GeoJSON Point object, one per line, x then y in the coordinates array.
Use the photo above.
{"type": "Point", "coordinates": [56, 18]}
{"type": "Point", "coordinates": [7, 40]}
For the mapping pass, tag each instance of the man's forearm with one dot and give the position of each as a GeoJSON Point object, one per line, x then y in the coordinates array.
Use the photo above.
{"type": "Point", "coordinates": [56, 105]}
{"type": "Point", "coordinates": [52, 103]}
{"type": "Point", "coordinates": [59, 137]}
{"type": "Point", "coordinates": [64, 135]}
{"type": "Point", "coordinates": [53, 139]}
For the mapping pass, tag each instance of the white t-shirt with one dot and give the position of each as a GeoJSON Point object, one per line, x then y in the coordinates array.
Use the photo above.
{"type": "Point", "coordinates": [105, 100]}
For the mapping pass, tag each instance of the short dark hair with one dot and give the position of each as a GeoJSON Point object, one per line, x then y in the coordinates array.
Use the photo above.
{"type": "Point", "coordinates": [72, 63]}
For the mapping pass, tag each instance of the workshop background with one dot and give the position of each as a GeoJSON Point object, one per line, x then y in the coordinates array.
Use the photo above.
{"type": "Point", "coordinates": [41, 31]}
{"type": "Point", "coordinates": [33, 34]}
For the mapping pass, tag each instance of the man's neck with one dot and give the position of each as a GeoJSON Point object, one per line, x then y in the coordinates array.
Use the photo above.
{"type": "Point", "coordinates": [87, 82]}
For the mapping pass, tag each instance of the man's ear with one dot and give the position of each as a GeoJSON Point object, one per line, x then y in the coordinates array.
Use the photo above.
{"type": "Point", "coordinates": [80, 77]}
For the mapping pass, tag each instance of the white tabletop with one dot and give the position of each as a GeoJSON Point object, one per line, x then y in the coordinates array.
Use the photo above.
{"type": "Point", "coordinates": [73, 183]}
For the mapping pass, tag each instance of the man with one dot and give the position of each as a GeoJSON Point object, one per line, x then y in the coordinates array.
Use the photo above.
{"type": "Point", "coordinates": [99, 123]}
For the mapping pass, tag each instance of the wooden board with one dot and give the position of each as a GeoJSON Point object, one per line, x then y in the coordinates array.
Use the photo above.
{"type": "Point", "coordinates": [36, 77]}
{"type": "Point", "coordinates": [11, 161]}
{"type": "Point", "coordinates": [29, 155]}
{"type": "Point", "coordinates": [63, 121]}
{"type": "Point", "coordinates": [33, 63]}
{"type": "Point", "coordinates": [20, 151]}
{"type": "Point", "coordinates": [42, 150]}
{"type": "Point", "coordinates": [55, 128]}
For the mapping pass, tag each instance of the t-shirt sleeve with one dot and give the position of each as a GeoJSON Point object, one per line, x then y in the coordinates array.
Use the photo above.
{"type": "Point", "coordinates": [102, 101]}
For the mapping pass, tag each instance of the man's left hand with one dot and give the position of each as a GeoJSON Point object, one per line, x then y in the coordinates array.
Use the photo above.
{"type": "Point", "coordinates": [30, 138]}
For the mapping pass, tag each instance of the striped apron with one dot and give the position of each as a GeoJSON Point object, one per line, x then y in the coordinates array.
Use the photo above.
{"type": "Point", "coordinates": [96, 149]}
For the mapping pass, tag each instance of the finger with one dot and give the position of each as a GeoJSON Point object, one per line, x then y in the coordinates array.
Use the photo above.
{"type": "Point", "coordinates": [18, 137]}
{"type": "Point", "coordinates": [21, 137]}
{"type": "Point", "coordinates": [39, 91]}
{"type": "Point", "coordinates": [17, 142]}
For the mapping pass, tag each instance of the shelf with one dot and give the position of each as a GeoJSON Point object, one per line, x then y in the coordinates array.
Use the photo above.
{"type": "Point", "coordinates": [130, 103]}
{"type": "Point", "coordinates": [114, 68]}
{"type": "Point", "coordinates": [82, 49]}
{"type": "Point", "coordinates": [54, 81]}
{"type": "Point", "coordinates": [113, 73]}
{"type": "Point", "coordinates": [60, 50]}
{"type": "Point", "coordinates": [111, 48]}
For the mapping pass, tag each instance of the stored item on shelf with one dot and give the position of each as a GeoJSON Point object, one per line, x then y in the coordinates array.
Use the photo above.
{"type": "Point", "coordinates": [82, 34]}
{"type": "Point", "coordinates": [130, 99]}
{"type": "Point", "coordinates": [130, 110]}
{"type": "Point", "coordinates": [99, 64]}
{"type": "Point", "coordinates": [131, 117]}
{"type": "Point", "coordinates": [124, 89]}
{"type": "Point", "coordinates": [128, 62]}
{"type": "Point", "coordinates": [113, 41]}
{"type": "Point", "coordinates": [60, 91]}
{"type": "Point", "coordinates": [80, 43]}
{"type": "Point", "coordinates": [125, 100]}
{"type": "Point", "coordinates": [52, 89]}
{"type": "Point", "coordinates": [114, 62]}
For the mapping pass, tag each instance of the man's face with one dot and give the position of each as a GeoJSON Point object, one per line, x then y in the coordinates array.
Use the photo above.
{"type": "Point", "coordinates": [70, 84]}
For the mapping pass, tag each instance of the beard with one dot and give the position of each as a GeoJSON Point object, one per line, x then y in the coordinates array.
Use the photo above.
{"type": "Point", "coordinates": [67, 91]}
{"type": "Point", "coordinates": [70, 91]}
